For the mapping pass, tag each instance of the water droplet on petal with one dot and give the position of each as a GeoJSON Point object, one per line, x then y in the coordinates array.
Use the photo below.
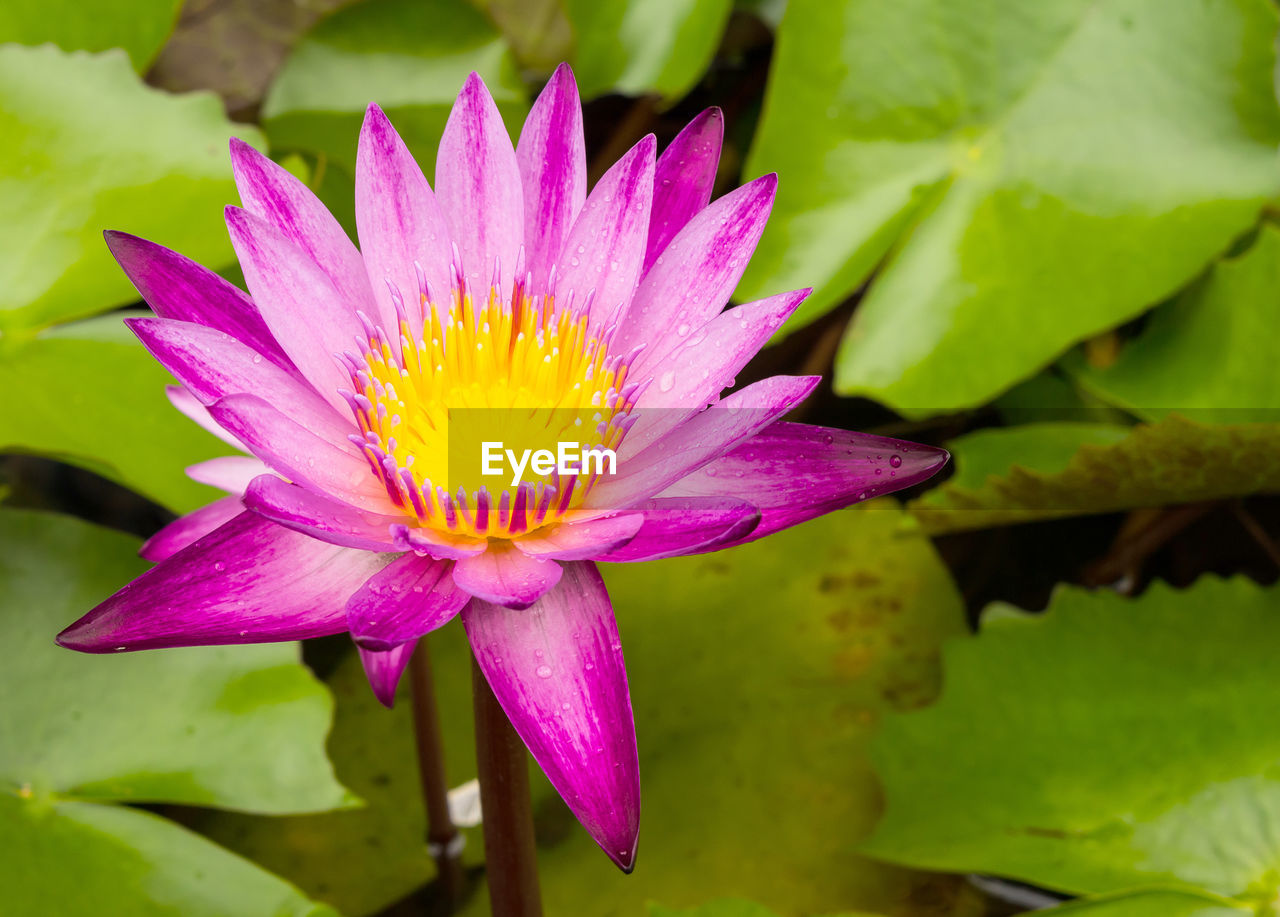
{"type": "Point", "coordinates": [219, 566]}
{"type": "Point", "coordinates": [667, 382]}
{"type": "Point", "coordinates": [895, 461]}
{"type": "Point", "coordinates": [543, 671]}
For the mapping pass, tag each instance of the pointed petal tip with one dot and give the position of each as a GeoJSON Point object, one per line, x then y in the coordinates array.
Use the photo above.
{"type": "Point", "coordinates": [625, 859]}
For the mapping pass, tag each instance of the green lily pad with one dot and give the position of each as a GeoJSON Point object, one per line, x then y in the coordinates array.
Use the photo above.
{"type": "Point", "coordinates": [726, 907]}
{"type": "Point", "coordinates": [409, 56]}
{"type": "Point", "coordinates": [644, 46]}
{"type": "Point", "coordinates": [1106, 745]}
{"type": "Point", "coordinates": [89, 147]}
{"type": "Point", "coordinates": [140, 27]}
{"type": "Point", "coordinates": [91, 395]}
{"type": "Point", "coordinates": [1051, 470]}
{"type": "Point", "coordinates": [1150, 903]}
{"type": "Point", "coordinates": [238, 727]}
{"type": "Point", "coordinates": [757, 676]}
{"type": "Point", "coordinates": [1009, 164]}
{"type": "Point", "coordinates": [1207, 355]}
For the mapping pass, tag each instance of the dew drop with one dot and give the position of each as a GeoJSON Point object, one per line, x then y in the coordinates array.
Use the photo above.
{"type": "Point", "coordinates": [543, 671]}
{"type": "Point", "coordinates": [667, 382]}
{"type": "Point", "coordinates": [895, 461]}
{"type": "Point", "coordinates": [682, 330]}
{"type": "Point", "coordinates": [219, 566]}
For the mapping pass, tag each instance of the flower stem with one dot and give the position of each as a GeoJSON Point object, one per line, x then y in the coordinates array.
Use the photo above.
{"type": "Point", "coordinates": [443, 839]}
{"type": "Point", "coordinates": [511, 862]}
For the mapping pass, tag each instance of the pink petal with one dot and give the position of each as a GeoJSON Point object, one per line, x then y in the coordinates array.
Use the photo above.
{"type": "Point", "coordinates": [557, 670]}
{"type": "Point", "coordinates": [212, 365]}
{"type": "Point", "coordinates": [794, 472]}
{"type": "Point", "coordinates": [178, 288]}
{"type": "Point", "coordinates": [249, 581]}
{"type": "Point", "coordinates": [269, 191]}
{"type": "Point", "coordinates": [193, 410]}
{"type": "Point", "coordinates": [190, 528]}
{"type": "Point", "coordinates": [299, 303]}
{"type": "Point", "coordinates": [384, 668]}
{"type": "Point", "coordinates": [684, 179]}
{"type": "Point", "coordinates": [405, 600]}
{"type": "Point", "coordinates": [400, 223]}
{"type": "Point", "coordinates": [430, 543]}
{"type": "Point", "coordinates": [320, 517]}
{"type": "Point", "coordinates": [604, 251]}
{"type": "Point", "coordinates": [582, 540]}
{"type": "Point", "coordinates": [478, 182]}
{"type": "Point", "coordinates": [506, 576]}
{"type": "Point", "coordinates": [231, 473]}
{"type": "Point", "coordinates": [675, 526]}
{"type": "Point", "coordinates": [695, 373]}
{"type": "Point", "coordinates": [337, 471]}
{"type": "Point", "coordinates": [552, 156]}
{"type": "Point", "coordinates": [698, 272]}
{"type": "Point", "coordinates": [700, 439]}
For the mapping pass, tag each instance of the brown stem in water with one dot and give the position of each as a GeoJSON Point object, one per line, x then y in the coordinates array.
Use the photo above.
{"type": "Point", "coordinates": [511, 861]}
{"type": "Point", "coordinates": [443, 839]}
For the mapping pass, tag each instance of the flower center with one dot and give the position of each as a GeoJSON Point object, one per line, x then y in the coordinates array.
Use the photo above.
{"type": "Point", "coordinates": [522, 375]}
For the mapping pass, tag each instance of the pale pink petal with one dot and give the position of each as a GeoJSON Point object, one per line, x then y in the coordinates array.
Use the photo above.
{"type": "Point", "coordinates": [299, 303]}
{"type": "Point", "coordinates": [552, 156]}
{"type": "Point", "coordinates": [582, 540]}
{"type": "Point", "coordinates": [603, 254]}
{"type": "Point", "coordinates": [231, 473]}
{"type": "Point", "coordinates": [320, 517]}
{"type": "Point", "coordinates": [402, 229]}
{"type": "Point", "coordinates": [478, 182]}
{"type": "Point", "coordinates": [193, 410]}
{"type": "Point", "coordinates": [384, 668]}
{"type": "Point", "coordinates": [506, 576]}
{"type": "Point", "coordinates": [269, 191]}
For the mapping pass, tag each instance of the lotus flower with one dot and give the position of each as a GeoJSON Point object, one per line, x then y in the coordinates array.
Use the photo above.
{"type": "Point", "coordinates": [507, 287]}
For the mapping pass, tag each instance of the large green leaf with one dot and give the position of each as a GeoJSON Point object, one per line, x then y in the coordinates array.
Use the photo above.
{"type": "Point", "coordinates": [1028, 173]}
{"type": "Point", "coordinates": [638, 47]}
{"type": "Point", "coordinates": [1209, 354]}
{"type": "Point", "coordinates": [1150, 903]}
{"type": "Point", "coordinates": [89, 394]}
{"type": "Point", "coordinates": [756, 675]}
{"type": "Point", "coordinates": [1107, 744]}
{"type": "Point", "coordinates": [77, 859]}
{"type": "Point", "coordinates": [237, 727]}
{"type": "Point", "coordinates": [725, 907]}
{"type": "Point", "coordinates": [409, 56]}
{"type": "Point", "coordinates": [1050, 470]}
{"type": "Point", "coordinates": [140, 27]}
{"type": "Point", "coordinates": [88, 147]}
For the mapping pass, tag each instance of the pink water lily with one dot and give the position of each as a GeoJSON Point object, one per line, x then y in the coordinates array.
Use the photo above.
{"type": "Point", "coordinates": [507, 286]}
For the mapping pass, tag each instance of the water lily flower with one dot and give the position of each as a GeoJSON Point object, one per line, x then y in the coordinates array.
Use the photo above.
{"type": "Point", "coordinates": [506, 286]}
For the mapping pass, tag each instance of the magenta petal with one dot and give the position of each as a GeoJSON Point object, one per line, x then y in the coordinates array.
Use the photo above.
{"type": "Point", "coordinates": [189, 405]}
{"type": "Point", "coordinates": [401, 225]}
{"type": "Point", "coordinates": [557, 670]}
{"type": "Point", "coordinates": [604, 251]}
{"type": "Point", "coordinates": [269, 191]}
{"type": "Point", "coordinates": [190, 528]}
{"type": "Point", "coordinates": [383, 668]}
{"type": "Point", "coordinates": [581, 540]}
{"type": "Point", "coordinates": [684, 179]}
{"type": "Point", "coordinates": [700, 439]}
{"type": "Point", "coordinates": [675, 526]}
{"type": "Point", "coordinates": [320, 517]}
{"type": "Point", "coordinates": [720, 349]}
{"type": "Point", "coordinates": [212, 365]}
{"type": "Point", "coordinates": [249, 581]}
{"type": "Point", "coordinates": [430, 543]}
{"type": "Point", "coordinates": [794, 472]}
{"type": "Point", "coordinates": [552, 156]}
{"type": "Point", "coordinates": [478, 183]}
{"type": "Point", "coordinates": [405, 600]}
{"type": "Point", "coordinates": [698, 272]}
{"type": "Point", "coordinates": [298, 454]}
{"type": "Point", "coordinates": [178, 288]}
{"type": "Point", "coordinates": [505, 576]}
{"type": "Point", "coordinates": [231, 473]}
{"type": "Point", "coordinates": [298, 301]}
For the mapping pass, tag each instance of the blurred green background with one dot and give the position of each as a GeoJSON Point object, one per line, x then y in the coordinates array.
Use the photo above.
{"type": "Point", "coordinates": [1041, 233]}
